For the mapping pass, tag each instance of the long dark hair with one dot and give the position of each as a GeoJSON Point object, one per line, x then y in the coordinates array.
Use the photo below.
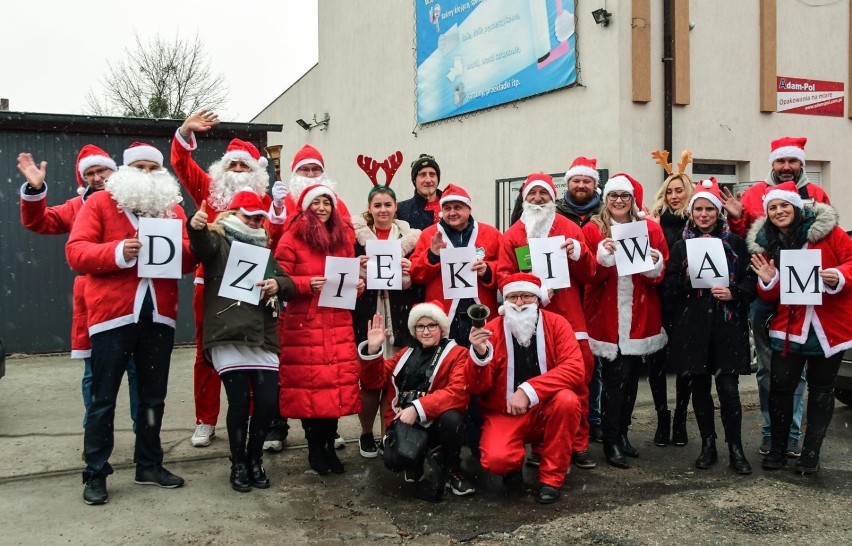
{"type": "Point", "coordinates": [777, 240]}
{"type": "Point", "coordinates": [327, 238]}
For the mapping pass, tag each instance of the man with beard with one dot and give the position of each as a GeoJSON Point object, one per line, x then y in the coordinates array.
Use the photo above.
{"type": "Point", "coordinates": [582, 199]}
{"type": "Point", "coordinates": [94, 167]}
{"type": "Point", "coordinates": [539, 220]}
{"type": "Point", "coordinates": [424, 209]}
{"type": "Point", "coordinates": [241, 167]}
{"type": "Point", "coordinates": [528, 370]}
{"type": "Point", "coordinates": [128, 315]}
{"type": "Point", "coordinates": [787, 157]}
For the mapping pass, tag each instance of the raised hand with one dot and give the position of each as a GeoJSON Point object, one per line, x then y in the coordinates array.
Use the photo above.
{"type": "Point", "coordinates": [479, 340]}
{"type": "Point", "coordinates": [437, 243]}
{"type": "Point", "coordinates": [199, 122]}
{"type": "Point", "coordinates": [376, 333]}
{"type": "Point", "coordinates": [34, 174]}
{"type": "Point", "coordinates": [731, 203]}
{"type": "Point", "coordinates": [765, 270]}
{"type": "Point", "coordinates": [199, 219]}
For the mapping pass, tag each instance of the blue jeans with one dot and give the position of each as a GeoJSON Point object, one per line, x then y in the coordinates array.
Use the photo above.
{"type": "Point", "coordinates": [86, 385]}
{"type": "Point", "coordinates": [595, 388]}
{"type": "Point", "coordinates": [758, 315]}
{"type": "Point", "coordinates": [150, 345]}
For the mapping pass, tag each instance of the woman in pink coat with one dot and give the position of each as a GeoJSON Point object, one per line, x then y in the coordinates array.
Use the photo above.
{"type": "Point", "coordinates": [318, 374]}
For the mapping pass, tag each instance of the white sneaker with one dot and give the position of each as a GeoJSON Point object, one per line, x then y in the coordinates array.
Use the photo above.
{"type": "Point", "coordinates": [339, 442]}
{"type": "Point", "coordinates": [203, 435]}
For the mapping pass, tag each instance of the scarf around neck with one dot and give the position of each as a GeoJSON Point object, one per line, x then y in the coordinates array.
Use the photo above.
{"type": "Point", "coordinates": [236, 230]}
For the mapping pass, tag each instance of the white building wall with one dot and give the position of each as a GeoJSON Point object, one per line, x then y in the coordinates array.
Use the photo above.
{"type": "Point", "coordinates": [365, 80]}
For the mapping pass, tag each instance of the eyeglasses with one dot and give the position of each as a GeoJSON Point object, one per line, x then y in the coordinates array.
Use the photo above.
{"type": "Point", "coordinates": [89, 175]}
{"type": "Point", "coordinates": [309, 169]}
{"type": "Point", "coordinates": [618, 196]}
{"type": "Point", "coordinates": [526, 298]}
{"type": "Point", "coordinates": [431, 327]}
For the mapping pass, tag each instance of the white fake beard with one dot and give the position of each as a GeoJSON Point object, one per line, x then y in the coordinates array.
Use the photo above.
{"type": "Point", "coordinates": [538, 219]}
{"type": "Point", "coordinates": [145, 194]}
{"type": "Point", "coordinates": [224, 184]}
{"type": "Point", "coordinates": [298, 184]}
{"type": "Point", "coordinates": [521, 320]}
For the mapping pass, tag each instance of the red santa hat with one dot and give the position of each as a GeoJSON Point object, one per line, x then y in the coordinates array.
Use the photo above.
{"type": "Point", "coordinates": [306, 156]}
{"type": "Point", "coordinates": [432, 309]}
{"type": "Point", "coordinates": [455, 193]}
{"type": "Point", "coordinates": [240, 150]}
{"type": "Point", "coordinates": [788, 147]}
{"type": "Point", "coordinates": [708, 189]}
{"type": "Point", "coordinates": [142, 151]}
{"type": "Point", "coordinates": [584, 166]}
{"type": "Point", "coordinates": [91, 156]}
{"type": "Point", "coordinates": [786, 192]}
{"type": "Point", "coordinates": [541, 180]}
{"type": "Point", "coordinates": [248, 202]}
{"type": "Point", "coordinates": [625, 182]}
{"type": "Point", "coordinates": [521, 282]}
{"type": "Point", "coordinates": [312, 192]}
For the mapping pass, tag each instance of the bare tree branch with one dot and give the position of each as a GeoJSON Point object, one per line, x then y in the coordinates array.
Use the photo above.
{"type": "Point", "coordinates": [159, 79]}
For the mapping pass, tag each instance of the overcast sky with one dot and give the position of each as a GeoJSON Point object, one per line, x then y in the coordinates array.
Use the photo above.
{"type": "Point", "coordinates": [53, 51]}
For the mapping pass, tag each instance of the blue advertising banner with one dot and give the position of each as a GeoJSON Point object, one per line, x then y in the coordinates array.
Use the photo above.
{"type": "Point", "coordinates": [474, 54]}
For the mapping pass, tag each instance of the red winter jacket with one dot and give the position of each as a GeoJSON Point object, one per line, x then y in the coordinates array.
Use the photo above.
{"type": "Point", "coordinates": [428, 274]}
{"type": "Point", "coordinates": [831, 321]}
{"type": "Point", "coordinates": [561, 362]}
{"type": "Point", "coordinates": [623, 313]}
{"type": "Point", "coordinates": [114, 293]}
{"type": "Point", "coordinates": [319, 367]}
{"type": "Point", "coordinates": [446, 387]}
{"type": "Point", "coordinates": [565, 301]}
{"type": "Point", "coordinates": [37, 217]}
{"type": "Point", "coordinates": [752, 200]}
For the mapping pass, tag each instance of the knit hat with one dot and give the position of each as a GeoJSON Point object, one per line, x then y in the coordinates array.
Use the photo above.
{"type": "Point", "coordinates": [312, 192]}
{"type": "Point", "coordinates": [434, 310]}
{"type": "Point", "coordinates": [142, 151]}
{"type": "Point", "coordinates": [786, 192]}
{"type": "Point", "coordinates": [91, 156]}
{"type": "Point", "coordinates": [521, 282]}
{"type": "Point", "coordinates": [708, 189]}
{"type": "Point", "coordinates": [625, 182]}
{"type": "Point", "coordinates": [248, 202]}
{"type": "Point", "coordinates": [788, 147]}
{"type": "Point", "coordinates": [240, 150]}
{"type": "Point", "coordinates": [584, 166]}
{"type": "Point", "coordinates": [307, 155]}
{"type": "Point", "coordinates": [455, 193]}
{"type": "Point", "coordinates": [538, 179]}
{"type": "Point", "coordinates": [425, 160]}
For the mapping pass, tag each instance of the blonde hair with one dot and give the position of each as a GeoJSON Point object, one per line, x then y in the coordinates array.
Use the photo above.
{"type": "Point", "coordinates": [603, 219]}
{"type": "Point", "coordinates": [661, 205]}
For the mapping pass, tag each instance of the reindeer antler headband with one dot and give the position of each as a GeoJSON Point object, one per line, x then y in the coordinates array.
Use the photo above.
{"type": "Point", "coordinates": [371, 167]}
{"type": "Point", "coordinates": [662, 158]}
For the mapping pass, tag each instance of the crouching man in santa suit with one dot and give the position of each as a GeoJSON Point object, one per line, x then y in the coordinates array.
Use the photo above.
{"type": "Point", "coordinates": [129, 316]}
{"type": "Point", "coordinates": [527, 368]}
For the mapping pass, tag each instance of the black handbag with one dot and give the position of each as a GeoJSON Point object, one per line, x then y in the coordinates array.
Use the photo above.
{"type": "Point", "coordinates": [404, 445]}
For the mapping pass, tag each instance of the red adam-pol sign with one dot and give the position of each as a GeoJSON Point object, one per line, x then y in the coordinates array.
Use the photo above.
{"type": "Point", "coordinates": [812, 97]}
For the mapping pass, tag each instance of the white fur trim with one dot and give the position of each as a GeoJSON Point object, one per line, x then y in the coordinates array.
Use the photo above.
{"type": "Point", "coordinates": [706, 195]}
{"type": "Point", "coordinates": [840, 283]}
{"type": "Point", "coordinates": [187, 145]}
{"type": "Point", "coordinates": [100, 160]}
{"type": "Point", "coordinates": [255, 213]}
{"type": "Point", "coordinates": [787, 151]}
{"type": "Point", "coordinates": [143, 153]}
{"type": "Point", "coordinates": [603, 349]}
{"type": "Point", "coordinates": [362, 352]}
{"type": "Point", "coordinates": [605, 257]}
{"type": "Point", "coordinates": [618, 183]}
{"type": "Point", "coordinates": [580, 170]}
{"type": "Point", "coordinates": [308, 161]}
{"type": "Point", "coordinates": [510, 355]}
{"type": "Point", "coordinates": [530, 392]}
{"type": "Point", "coordinates": [119, 257]}
{"type": "Point", "coordinates": [316, 192]}
{"type": "Point", "coordinates": [421, 415]}
{"type": "Point", "coordinates": [658, 267]}
{"type": "Point", "coordinates": [521, 286]}
{"type": "Point", "coordinates": [766, 287]}
{"type": "Point", "coordinates": [80, 353]}
{"type": "Point", "coordinates": [432, 311]}
{"type": "Point", "coordinates": [245, 157]}
{"type": "Point", "coordinates": [36, 197]}
{"type": "Point", "coordinates": [451, 198]}
{"type": "Point", "coordinates": [541, 183]}
{"type": "Point", "coordinates": [575, 255]}
{"type": "Point", "coordinates": [791, 197]}
{"type": "Point", "coordinates": [482, 361]}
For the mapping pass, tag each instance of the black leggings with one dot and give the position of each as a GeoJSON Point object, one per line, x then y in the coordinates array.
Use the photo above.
{"type": "Point", "coordinates": [243, 387]}
{"type": "Point", "coordinates": [657, 382]}
{"type": "Point", "coordinates": [727, 387]}
{"type": "Point", "coordinates": [620, 385]}
{"type": "Point", "coordinates": [784, 374]}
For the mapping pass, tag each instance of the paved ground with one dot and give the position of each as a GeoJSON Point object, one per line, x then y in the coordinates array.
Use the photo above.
{"type": "Point", "coordinates": [662, 500]}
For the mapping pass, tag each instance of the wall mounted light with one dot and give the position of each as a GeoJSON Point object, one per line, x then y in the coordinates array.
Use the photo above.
{"type": "Point", "coordinates": [601, 16]}
{"type": "Point", "coordinates": [321, 123]}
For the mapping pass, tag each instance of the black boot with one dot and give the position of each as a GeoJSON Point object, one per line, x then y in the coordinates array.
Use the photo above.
{"type": "Point", "coordinates": [708, 456]}
{"type": "Point", "coordinates": [627, 449]}
{"type": "Point", "coordinates": [820, 411]}
{"type": "Point", "coordinates": [257, 474]}
{"type": "Point", "coordinates": [737, 459]}
{"type": "Point", "coordinates": [679, 435]}
{"type": "Point", "coordinates": [662, 437]}
{"type": "Point", "coordinates": [316, 448]}
{"type": "Point", "coordinates": [240, 476]}
{"type": "Point", "coordinates": [614, 456]}
{"type": "Point", "coordinates": [333, 461]}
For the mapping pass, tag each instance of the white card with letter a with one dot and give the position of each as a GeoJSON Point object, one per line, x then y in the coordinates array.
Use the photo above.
{"type": "Point", "coordinates": [708, 265]}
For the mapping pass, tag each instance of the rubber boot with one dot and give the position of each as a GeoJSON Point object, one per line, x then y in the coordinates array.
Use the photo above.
{"type": "Point", "coordinates": [708, 456]}
{"type": "Point", "coordinates": [662, 437]}
{"type": "Point", "coordinates": [737, 459]}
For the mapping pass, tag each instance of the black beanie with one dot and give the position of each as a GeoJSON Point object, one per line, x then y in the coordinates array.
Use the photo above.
{"type": "Point", "coordinates": [425, 160]}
